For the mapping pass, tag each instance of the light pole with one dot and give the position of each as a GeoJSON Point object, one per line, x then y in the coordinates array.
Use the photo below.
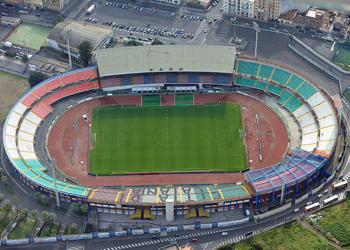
{"type": "Point", "coordinates": [53, 167]}
{"type": "Point", "coordinates": [256, 28]}
{"type": "Point", "coordinates": [284, 162]}
{"type": "Point", "coordinates": [234, 26]}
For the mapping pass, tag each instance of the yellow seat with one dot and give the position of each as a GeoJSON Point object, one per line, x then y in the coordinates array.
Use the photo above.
{"type": "Point", "coordinates": [148, 215]}
{"type": "Point", "coordinates": [136, 215]}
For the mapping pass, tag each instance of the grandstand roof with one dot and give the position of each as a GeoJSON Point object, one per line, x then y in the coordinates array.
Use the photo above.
{"type": "Point", "coordinates": [118, 61]}
{"type": "Point", "coordinates": [80, 32]}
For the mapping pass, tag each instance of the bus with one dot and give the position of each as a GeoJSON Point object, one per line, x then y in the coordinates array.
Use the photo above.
{"type": "Point", "coordinates": [90, 9]}
{"type": "Point", "coordinates": [312, 207]}
{"type": "Point", "coordinates": [331, 199]}
{"type": "Point", "coordinates": [339, 185]}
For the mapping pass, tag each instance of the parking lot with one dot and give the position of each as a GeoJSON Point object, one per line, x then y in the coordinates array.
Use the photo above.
{"type": "Point", "coordinates": [133, 22]}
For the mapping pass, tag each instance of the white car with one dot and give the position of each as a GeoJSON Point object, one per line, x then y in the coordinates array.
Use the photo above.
{"type": "Point", "coordinates": [205, 31]}
{"type": "Point", "coordinates": [224, 233]}
{"type": "Point", "coordinates": [296, 210]}
{"type": "Point", "coordinates": [309, 203]}
{"type": "Point", "coordinates": [319, 196]}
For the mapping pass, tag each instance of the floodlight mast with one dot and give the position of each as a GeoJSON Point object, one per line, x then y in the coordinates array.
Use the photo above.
{"type": "Point", "coordinates": [256, 28]}
{"type": "Point", "coordinates": [284, 162]}
{"type": "Point", "coordinates": [69, 55]}
{"type": "Point", "coordinates": [53, 167]}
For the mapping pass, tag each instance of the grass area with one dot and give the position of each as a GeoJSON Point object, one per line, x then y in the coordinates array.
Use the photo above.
{"type": "Point", "coordinates": [62, 210]}
{"type": "Point", "coordinates": [30, 35]}
{"type": "Point", "coordinates": [5, 218]}
{"type": "Point", "coordinates": [336, 219]}
{"type": "Point", "coordinates": [48, 231]}
{"type": "Point", "coordinates": [24, 227]}
{"type": "Point", "coordinates": [167, 138]}
{"type": "Point", "coordinates": [342, 55]}
{"type": "Point", "coordinates": [11, 88]}
{"type": "Point", "coordinates": [291, 236]}
{"type": "Point", "coordinates": [9, 189]}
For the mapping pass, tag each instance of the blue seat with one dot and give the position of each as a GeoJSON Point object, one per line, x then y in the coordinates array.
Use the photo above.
{"type": "Point", "coordinates": [222, 79]}
{"type": "Point", "coordinates": [148, 79]}
{"type": "Point", "coordinates": [126, 80]}
{"type": "Point", "coordinates": [193, 78]}
{"type": "Point", "coordinates": [171, 78]}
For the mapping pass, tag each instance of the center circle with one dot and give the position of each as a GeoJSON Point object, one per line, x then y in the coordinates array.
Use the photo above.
{"type": "Point", "coordinates": [167, 137]}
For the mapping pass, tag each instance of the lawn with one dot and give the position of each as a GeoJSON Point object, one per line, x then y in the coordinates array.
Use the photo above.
{"type": "Point", "coordinates": [24, 227]}
{"type": "Point", "coordinates": [167, 138]}
{"type": "Point", "coordinates": [291, 236]}
{"type": "Point", "coordinates": [5, 218]}
{"type": "Point", "coordinates": [46, 231]}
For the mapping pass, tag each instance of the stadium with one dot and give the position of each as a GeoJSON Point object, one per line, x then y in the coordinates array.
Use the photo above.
{"type": "Point", "coordinates": [193, 124]}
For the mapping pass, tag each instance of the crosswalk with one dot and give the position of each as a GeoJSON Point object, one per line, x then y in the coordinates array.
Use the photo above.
{"type": "Point", "coordinates": [75, 248]}
{"type": "Point", "coordinates": [238, 238]}
{"type": "Point", "coordinates": [346, 177]}
{"type": "Point", "coordinates": [161, 240]}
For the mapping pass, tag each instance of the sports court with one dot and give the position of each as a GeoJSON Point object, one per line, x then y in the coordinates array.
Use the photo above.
{"type": "Point", "coordinates": [167, 138]}
{"type": "Point", "coordinates": [342, 55]}
{"type": "Point", "coordinates": [30, 35]}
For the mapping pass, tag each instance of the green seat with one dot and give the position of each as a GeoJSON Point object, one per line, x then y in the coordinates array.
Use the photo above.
{"type": "Point", "coordinates": [247, 67]}
{"type": "Point", "coordinates": [294, 82]}
{"type": "Point", "coordinates": [265, 71]}
{"type": "Point", "coordinates": [306, 90]}
{"type": "Point", "coordinates": [281, 76]}
{"type": "Point", "coordinates": [245, 82]}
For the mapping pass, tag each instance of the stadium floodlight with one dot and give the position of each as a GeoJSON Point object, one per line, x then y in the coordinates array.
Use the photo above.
{"type": "Point", "coordinates": [234, 26]}
{"type": "Point", "coordinates": [53, 167]}
{"type": "Point", "coordinates": [69, 55]}
{"type": "Point", "coordinates": [284, 162]}
{"type": "Point", "coordinates": [256, 28]}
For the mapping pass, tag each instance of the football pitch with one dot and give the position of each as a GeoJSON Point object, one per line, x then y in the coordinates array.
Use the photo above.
{"type": "Point", "coordinates": [167, 138]}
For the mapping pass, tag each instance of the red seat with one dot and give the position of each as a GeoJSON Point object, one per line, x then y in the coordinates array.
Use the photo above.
{"type": "Point", "coordinates": [29, 99]}
{"type": "Point", "coordinates": [40, 91]}
{"type": "Point", "coordinates": [41, 110]}
{"type": "Point", "coordinates": [53, 84]}
{"type": "Point", "coordinates": [59, 94]}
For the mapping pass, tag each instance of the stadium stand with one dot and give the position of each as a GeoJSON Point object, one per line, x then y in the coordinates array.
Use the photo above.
{"type": "Point", "coordinates": [292, 103]}
{"type": "Point", "coordinates": [192, 78]}
{"type": "Point", "coordinates": [306, 90]}
{"type": "Point", "coordinates": [137, 80]}
{"type": "Point", "coordinates": [274, 89]}
{"type": "Point", "coordinates": [72, 90]}
{"type": "Point", "coordinates": [280, 76]}
{"type": "Point", "coordinates": [66, 79]}
{"type": "Point", "coordinates": [126, 80]}
{"type": "Point", "coordinates": [48, 100]}
{"type": "Point", "coordinates": [41, 110]}
{"type": "Point", "coordinates": [205, 78]}
{"type": "Point", "coordinates": [87, 86]}
{"type": "Point", "coordinates": [265, 71]}
{"type": "Point", "coordinates": [148, 79]}
{"type": "Point", "coordinates": [245, 82]}
{"type": "Point", "coordinates": [40, 91]}
{"type": "Point", "coordinates": [160, 78]}
{"type": "Point", "coordinates": [247, 67]}
{"type": "Point", "coordinates": [85, 74]}
{"type": "Point", "coordinates": [29, 99]}
{"type": "Point", "coordinates": [285, 95]}
{"type": "Point", "coordinates": [261, 85]}
{"type": "Point", "coordinates": [294, 82]}
{"type": "Point", "coordinates": [182, 78]}
{"type": "Point", "coordinates": [171, 78]}
{"type": "Point", "coordinates": [222, 79]}
{"type": "Point", "coordinates": [53, 84]}
{"type": "Point", "coordinates": [58, 95]}
{"type": "Point", "coordinates": [111, 82]}
{"type": "Point", "coordinates": [31, 117]}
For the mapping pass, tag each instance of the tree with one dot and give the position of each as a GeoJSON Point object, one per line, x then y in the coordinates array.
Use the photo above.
{"type": "Point", "coordinates": [1, 197]}
{"type": "Point", "coordinates": [24, 214]}
{"type": "Point", "coordinates": [45, 216]}
{"type": "Point", "coordinates": [35, 78]}
{"type": "Point", "coordinates": [10, 53]}
{"type": "Point", "coordinates": [35, 214]}
{"type": "Point", "coordinates": [7, 207]}
{"type": "Point", "coordinates": [74, 206]}
{"type": "Point", "coordinates": [156, 41]}
{"type": "Point", "coordinates": [134, 43]}
{"type": "Point", "coordinates": [1, 171]}
{"type": "Point", "coordinates": [4, 179]}
{"type": "Point", "coordinates": [84, 208]}
{"type": "Point", "coordinates": [37, 196]}
{"type": "Point", "coordinates": [24, 58]}
{"type": "Point", "coordinates": [52, 217]}
{"type": "Point", "coordinates": [85, 52]}
{"type": "Point", "coordinates": [45, 200]}
{"type": "Point", "coordinates": [16, 201]}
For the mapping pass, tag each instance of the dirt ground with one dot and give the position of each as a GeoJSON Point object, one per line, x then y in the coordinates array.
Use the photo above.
{"type": "Point", "coordinates": [11, 88]}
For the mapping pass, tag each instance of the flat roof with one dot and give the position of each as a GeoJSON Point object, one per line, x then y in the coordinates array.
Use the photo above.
{"type": "Point", "coordinates": [161, 58]}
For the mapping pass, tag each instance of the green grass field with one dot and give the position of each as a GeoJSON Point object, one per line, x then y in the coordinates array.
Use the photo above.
{"type": "Point", "coordinates": [167, 138]}
{"type": "Point", "coordinates": [342, 55]}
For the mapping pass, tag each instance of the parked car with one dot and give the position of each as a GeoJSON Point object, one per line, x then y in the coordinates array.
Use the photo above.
{"type": "Point", "coordinates": [309, 203]}
{"type": "Point", "coordinates": [319, 196]}
{"type": "Point", "coordinates": [296, 210]}
{"type": "Point", "coordinates": [326, 192]}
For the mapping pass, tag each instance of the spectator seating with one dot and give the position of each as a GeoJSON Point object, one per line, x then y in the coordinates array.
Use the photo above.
{"type": "Point", "coordinates": [40, 91]}
{"type": "Point", "coordinates": [31, 117]}
{"type": "Point", "coordinates": [137, 80]}
{"type": "Point", "coordinates": [72, 90]}
{"type": "Point", "coordinates": [171, 78]}
{"type": "Point", "coordinates": [53, 84]}
{"type": "Point", "coordinates": [285, 95]}
{"type": "Point", "coordinates": [245, 82]}
{"type": "Point", "coordinates": [126, 80]}
{"type": "Point", "coordinates": [306, 90]}
{"type": "Point", "coordinates": [160, 78]}
{"type": "Point", "coordinates": [42, 110]}
{"type": "Point", "coordinates": [265, 71]}
{"type": "Point", "coordinates": [110, 82]}
{"type": "Point", "coordinates": [294, 82]}
{"type": "Point", "coordinates": [247, 67]}
{"type": "Point", "coordinates": [192, 78]}
{"type": "Point", "coordinates": [261, 85]}
{"type": "Point", "coordinates": [85, 74]}
{"type": "Point", "coordinates": [58, 95]}
{"type": "Point", "coordinates": [87, 86]}
{"type": "Point", "coordinates": [148, 79]}
{"type": "Point", "coordinates": [280, 76]}
{"type": "Point", "coordinates": [69, 78]}
{"type": "Point", "coordinates": [222, 79]}
{"type": "Point", "coordinates": [182, 78]}
{"type": "Point", "coordinates": [292, 103]}
{"type": "Point", "coordinates": [206, 79]}
{"type": "Point", "coordinates": [274, 89]}
{"type": "Point", "coordinates": [48, 100]}
{"type": "Point", "coordinates": [29, 99]}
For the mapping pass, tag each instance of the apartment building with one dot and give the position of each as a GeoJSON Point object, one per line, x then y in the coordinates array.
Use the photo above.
{"type": "Point", "coordinates": [55, 4]}
{"type": "Point", "coordinates": [262, 9]}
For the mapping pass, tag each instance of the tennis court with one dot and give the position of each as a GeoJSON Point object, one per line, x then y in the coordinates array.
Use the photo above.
{"type": "Point", "coordinates": [30, 35]}
{"type": "Point", "coordinates": [167, 138]}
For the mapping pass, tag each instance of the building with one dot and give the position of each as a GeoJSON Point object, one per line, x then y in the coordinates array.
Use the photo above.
{"type": "Point", "coordinates": [176, 2]}
{"type": "Point", "coordinates": [47, 66]}
{"type": "Point", "coordinates": [28, 3]}
{"type": "Point", "coordinates": [317, 19]}
{"type": "Point", "coordinates": [200, 4]}
{"type": "Point", "coordinates": [98, 36]}
{"type": "Point", "coordinates": [262, 9]}
{"type": "Point", "coordinates": [10, 21]}
{"type": "Point", "coordinates": [55, 4]}
{"type": "Point", "coordinates": [288, 17]}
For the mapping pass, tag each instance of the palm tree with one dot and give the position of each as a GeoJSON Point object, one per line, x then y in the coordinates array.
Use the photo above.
{"type": "Point", "coordinates": [37, 196]}
{"type": "Point", "coordinates": [35, 214]}
{"type": "Point", "coordinates": [45, 200]}
{"type": "Point", "coordinates": [7, 206]}
{"type": "Point", "coordinates": [74, 206]}
{"type": "Point", "coordinates": [24, 213]}
{"type": "Point", "coordinates": [52, 217]}
{"type": "Point", "coordinates": [84, 208]}
{"type": "Point", "coordinates": [1, 171]}
{"type": "Point", "coordinates": [16, 201]}
{"type": "Point", "coordinates": [4, 179]}
{"type": "Point", "coordinates": [45, 216]}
